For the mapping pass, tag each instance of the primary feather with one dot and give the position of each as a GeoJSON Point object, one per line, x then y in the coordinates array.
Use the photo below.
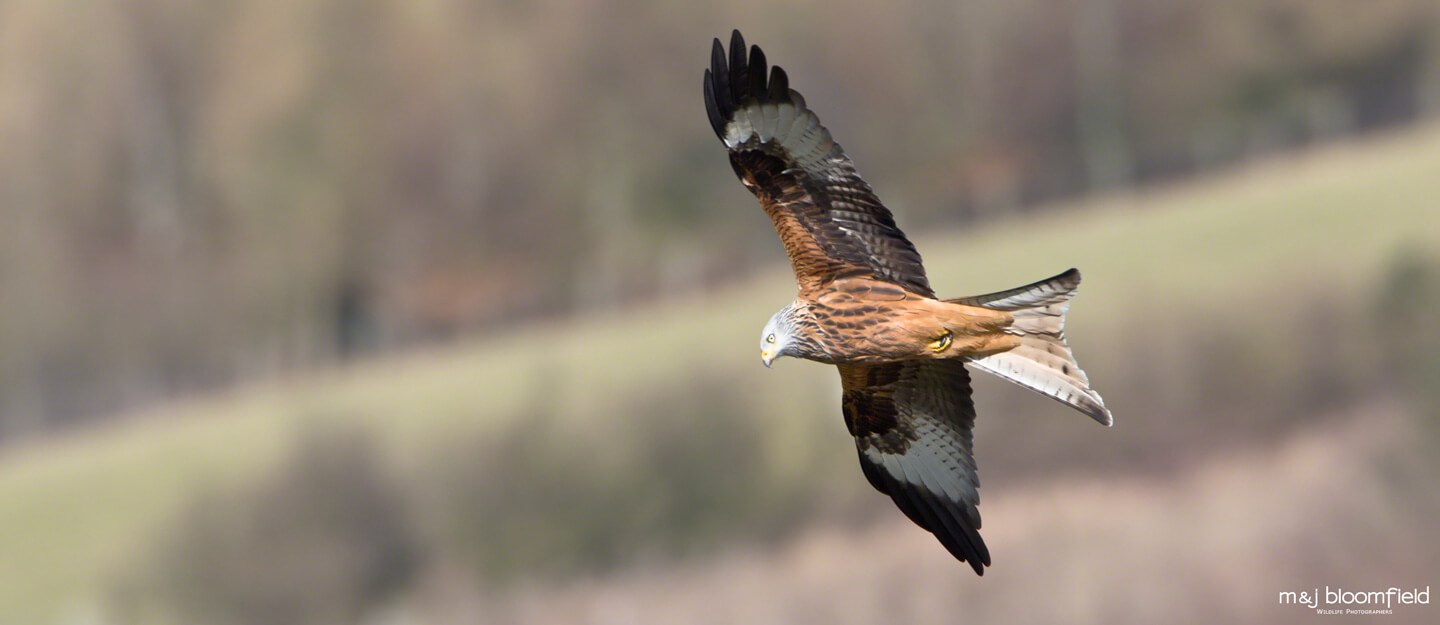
{"type": "Point", "coordinates": [829, 219]}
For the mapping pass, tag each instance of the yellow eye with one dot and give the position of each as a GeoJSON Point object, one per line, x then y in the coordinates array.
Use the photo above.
{"type": "Point", "coordinates": [770, 339]}
{"type": "Point", "coordinates": [941, 343]}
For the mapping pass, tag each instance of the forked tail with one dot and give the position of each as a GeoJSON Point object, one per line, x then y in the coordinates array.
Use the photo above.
{"type": "Point", "coordinates": [1042, 362]}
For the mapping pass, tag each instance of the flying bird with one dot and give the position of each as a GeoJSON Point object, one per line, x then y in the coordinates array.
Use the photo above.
{"type": "Point", "coordinates": [865, 306]}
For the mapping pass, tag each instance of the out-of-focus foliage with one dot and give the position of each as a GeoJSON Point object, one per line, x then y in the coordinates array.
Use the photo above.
{"type": "Point", "coordinates": [691, 467]}
{"type": "Point", "coordinates": [196, 193]}
{"type": "Point", "coordinates": [1226, 319]}
{"type": "Point", "coordinates": [1407, 315]}
{"type": "Point", "coordinates": [680, 473]}
{"type": "Point", "coordinates": [321, 541]}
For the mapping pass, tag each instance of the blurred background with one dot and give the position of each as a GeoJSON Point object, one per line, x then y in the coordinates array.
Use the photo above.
{"type": "Point", "coordinates": [436, 311]}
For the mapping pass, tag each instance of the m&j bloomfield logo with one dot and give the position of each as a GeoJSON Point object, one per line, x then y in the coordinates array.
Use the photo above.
{"type": "Point", "coordinates": [1341, 601]}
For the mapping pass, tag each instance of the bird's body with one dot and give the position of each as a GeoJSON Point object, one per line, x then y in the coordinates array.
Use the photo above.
{"type": "Point", "coordinates": [865, 305]}
{"type": "Point", "coordinates": [859, 320]}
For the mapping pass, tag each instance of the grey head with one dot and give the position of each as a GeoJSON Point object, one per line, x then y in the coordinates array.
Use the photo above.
{"type": "Point", "coordinates": [781, 336]}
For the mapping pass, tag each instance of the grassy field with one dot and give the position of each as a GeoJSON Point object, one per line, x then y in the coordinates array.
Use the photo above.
{"type": "Point", "coordinates": [73, 507]}
{"type": "Point", "coordinates": [1068, 550]}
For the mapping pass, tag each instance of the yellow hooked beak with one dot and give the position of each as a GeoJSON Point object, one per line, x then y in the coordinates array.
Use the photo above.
{"type": "Point", "coordinates": [767, 358]}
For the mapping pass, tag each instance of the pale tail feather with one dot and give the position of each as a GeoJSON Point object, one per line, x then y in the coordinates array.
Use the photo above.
{"type": "Point", "coordinates": [1042, 362]}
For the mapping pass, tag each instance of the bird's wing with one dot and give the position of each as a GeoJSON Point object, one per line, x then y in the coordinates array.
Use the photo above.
{"type": "Point", "coordinates": [829, 219]}
{"type": "Point", "coordinates": [912, 424]}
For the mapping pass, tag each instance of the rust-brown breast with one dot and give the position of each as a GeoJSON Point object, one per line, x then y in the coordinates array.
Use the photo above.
{"type": "Point", "coordinates": [865, 320]}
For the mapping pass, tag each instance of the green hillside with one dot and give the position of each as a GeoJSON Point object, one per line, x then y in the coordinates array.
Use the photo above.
{"type": "Point", "coordinates": [73, 507]}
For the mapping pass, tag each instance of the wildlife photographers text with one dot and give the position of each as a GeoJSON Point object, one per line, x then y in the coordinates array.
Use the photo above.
{"type": "Point", "coordinates": [1341, 601]}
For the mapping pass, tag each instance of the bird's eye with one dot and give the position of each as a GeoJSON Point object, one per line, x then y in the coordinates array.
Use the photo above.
{"type": "Point", "coordinates": [771, 338]}
{"type": "Point", "coordinates": [941, 343]}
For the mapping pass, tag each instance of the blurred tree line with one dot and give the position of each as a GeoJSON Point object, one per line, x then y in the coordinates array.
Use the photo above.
{"type": "Point", "coordinates": [199, 193]}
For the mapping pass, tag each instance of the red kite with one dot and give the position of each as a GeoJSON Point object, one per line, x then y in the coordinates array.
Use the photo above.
{"type": "Point", "coordinates": [865, 305]}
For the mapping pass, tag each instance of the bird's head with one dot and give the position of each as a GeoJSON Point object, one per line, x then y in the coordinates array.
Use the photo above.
{"type": "Point", "coordinates": [778, 337]}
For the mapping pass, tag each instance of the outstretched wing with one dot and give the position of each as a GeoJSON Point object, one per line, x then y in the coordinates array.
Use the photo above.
{"type": "Point", "coordinates": [912, 422]}
{"type": "Point", "coordinates": [829, 219]}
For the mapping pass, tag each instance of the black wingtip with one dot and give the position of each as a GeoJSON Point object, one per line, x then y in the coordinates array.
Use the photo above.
{"type": "Point", "coordinates": [718, 101]}
{"type": "Point", "coordinates": [739, 71]}
{"type": "Point", "coordinates": [779, 85]}
{"type": "Point", "coordinates": [737, 48]}
{"type": "Point", "coordinates": [717, 57]}
{"type": "Point", "coordinates": [739, 76]}
{"type": "Point", "coordinates": [962, 541]}
{"type": "Point", "coordinates": [757, 71]}
{"type": "Point", "coordinates": [712, 108]}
